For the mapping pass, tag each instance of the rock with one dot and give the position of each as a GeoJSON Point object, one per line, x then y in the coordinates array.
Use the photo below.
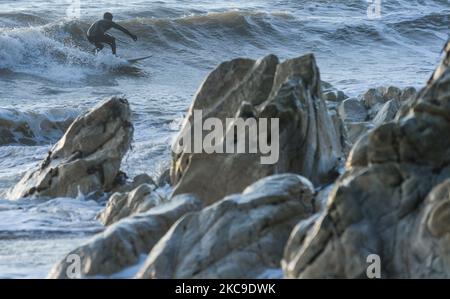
{"type": "Point", "coordinates": [122, 205]}
{"type": "Point", "coordinates": [352, 110]}
{"type": "Point", "coordinates": [242, 236]}
{"type": "Point", "coordinates": [392, 93]}
{"type": "Point", "coordinates": [392, 201]}
{"type": "Point", "coordinates": [164, 178]}
{"type": "Point", "coordinates": [355, 130]}
{"type": "Point", "coordinates": [408, 93]}
{"type": "Point", "coordinates": [332, 94]}
{"type": "Point", "coordinates": [387, 112]}
{"type": "Point", "coordinates": [335, 96]}
{"type": "Point", "coordinates": [246, 89]}
{"type": "Point", "coordinates": [86, 159]}
{"type": "Point", "coordinates": [123, 244]}
{"type": "Point", "coordinates": [126, 187]}
{"type": "Point", "coordinates": [373, 97]}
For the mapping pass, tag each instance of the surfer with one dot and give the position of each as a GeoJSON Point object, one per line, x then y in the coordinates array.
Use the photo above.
{"type": "Point", "coordinates": [97, 33]}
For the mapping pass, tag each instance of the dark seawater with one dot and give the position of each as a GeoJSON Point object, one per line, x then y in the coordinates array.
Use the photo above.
{"type": "Point", "coordinates": [48, 75]}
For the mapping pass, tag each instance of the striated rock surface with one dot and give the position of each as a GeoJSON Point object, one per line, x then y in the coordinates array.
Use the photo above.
{"type": "Point", "coordinates": [246, 89]}
{"type": "Point", "coordinates": [242, 236]}
{"type": "Point", "coordinates": [387, 113]}
{"type": "Point", "coordinates": [123, 244]}
{"type": "Point", "coordinates": [87, 158]}
{"type": "Point", "coordinates": [393, 200]}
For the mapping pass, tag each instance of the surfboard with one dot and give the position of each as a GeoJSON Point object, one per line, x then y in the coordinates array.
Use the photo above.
{"type": "Point", "coordinates": [134, 60]}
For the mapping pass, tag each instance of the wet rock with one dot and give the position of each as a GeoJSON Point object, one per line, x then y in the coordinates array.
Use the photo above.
{"type": "Point", "coordinates": [86, 159]}
{"type": "Point", "coordinates": [387, 112]}
{"type": "Point", "coordinates": [164, 178]}
{"type": "Point", "coordinates": [123, 244]}
{"type": "Point", "coordinates": [355, 130]}
{"type": "Point", "coordinates": [247, 89]}
{"type": "Point", "coordinates": [372, 97]}
{"type": "Point", "coordinates": [392, 201]}
{"type": "Point", "coordinates": [241, 236]}
{"type": "Point", "coordinates": [122, 205]}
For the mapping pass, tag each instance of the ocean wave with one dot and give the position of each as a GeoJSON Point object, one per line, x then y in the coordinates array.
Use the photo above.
{"type": "Point", "coordinates": [59, 50]}
{"type": "Point", "coordinates": [32, 128]}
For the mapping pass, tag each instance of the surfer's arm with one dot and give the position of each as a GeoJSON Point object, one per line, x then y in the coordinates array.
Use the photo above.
{"type": "Point", "coordinates": [124, 30]}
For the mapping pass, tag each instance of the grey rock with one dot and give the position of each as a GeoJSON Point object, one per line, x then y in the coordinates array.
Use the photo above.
{"type": "Point", "coordinates": [372, 97]}
{"type": "Point", "coordinates": [355, 130]}
{"type": "Point", "coordinates": [122, 205]}
{"type": "Point", "coordinates": [408, 93]}
{"type": "Point", "coordinates": [387, 112]}
{"type": "Point", "coordinates": [242, 88]}
{"type": "Point", "coordinates": [241, 236]}
{"type": "Point", "coordinates": [352, 110]}
{"type": "Point", "coordinates": [392, 201]}
{"type": "Point", "coordinates": [87, 159]}
{"type": "Point", "coordinates": [123, 244]}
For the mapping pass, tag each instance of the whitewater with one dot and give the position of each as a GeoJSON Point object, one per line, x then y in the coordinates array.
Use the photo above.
{"type": "Point", "coordinates": [48, 75]}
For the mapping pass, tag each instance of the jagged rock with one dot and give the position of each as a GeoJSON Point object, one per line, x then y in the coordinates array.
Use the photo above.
{"type": "Point", "coordinates": [352, 110]}
{"type": "Point", "coordinates": [372, 97]}
{"type": "Point", "coordinates": [247, 89]}
{"type": "Point", "coordinates": [123, 244]}
{"type": "Point", "coordinates": [393, 200]}
{"type": "Point", "coordinates": [407, 93]}
{"type": "Point", "coordinates": [355, 130]}
{"type": "Point", "coordinates": [241, 236]}
{"type": "Point", "coordinates": [122, 205]}
{"type": "Point", "coordinates": [87, 158]}
{"type": "Point", "coordinates": [164, 178]}
{"type": "Point", "coordinates": [392, 93]}
{"type": "Point", "coordinates": [387, 112]}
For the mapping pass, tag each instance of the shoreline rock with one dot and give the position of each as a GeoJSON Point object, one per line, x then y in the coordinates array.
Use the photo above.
{"type": "Point", "coordinates": [242, 88]}
{"type": "Point", "coordinates": [392, 201]}
{"type": "Point", "coordinates": [86, 159]}
{"type": "Point", "coordinates": [123, 243]}
{"type": "Point", "coordinates": [241, 236]}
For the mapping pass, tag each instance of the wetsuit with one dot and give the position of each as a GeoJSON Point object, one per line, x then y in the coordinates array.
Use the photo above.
{"type": "Point", "coordinates": [97, 34]}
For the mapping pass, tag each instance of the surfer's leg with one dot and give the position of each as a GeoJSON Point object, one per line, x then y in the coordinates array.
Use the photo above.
{"type": "Point", "coordinates": [111, 41]}
{"type": "Point", "coordinates": [98, 47]}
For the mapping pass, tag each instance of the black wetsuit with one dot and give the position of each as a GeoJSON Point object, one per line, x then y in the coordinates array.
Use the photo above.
{"type": "Point", "coordinates": [97, 34]}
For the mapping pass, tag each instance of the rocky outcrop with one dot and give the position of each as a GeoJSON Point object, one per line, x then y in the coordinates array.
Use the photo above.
{"type": "Point", "coordinates": [86, 159]}
{"type": "Point", "coordinates": [387, 113]}
{"type": "Point", "coordinates": [242, 236]}
{"type": "Point", "coordinates": [123, 244]}
{"type": "Point", "coordinates": [352, 110]}
{"type": "Point", "coordinates": [332, 94]}
{"type": "Point", "coordinates": [122, 205]}
{"type": "Point", "coordinates": [244, 89]}
{"type": "Point", "coordinates": [393, 200]}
